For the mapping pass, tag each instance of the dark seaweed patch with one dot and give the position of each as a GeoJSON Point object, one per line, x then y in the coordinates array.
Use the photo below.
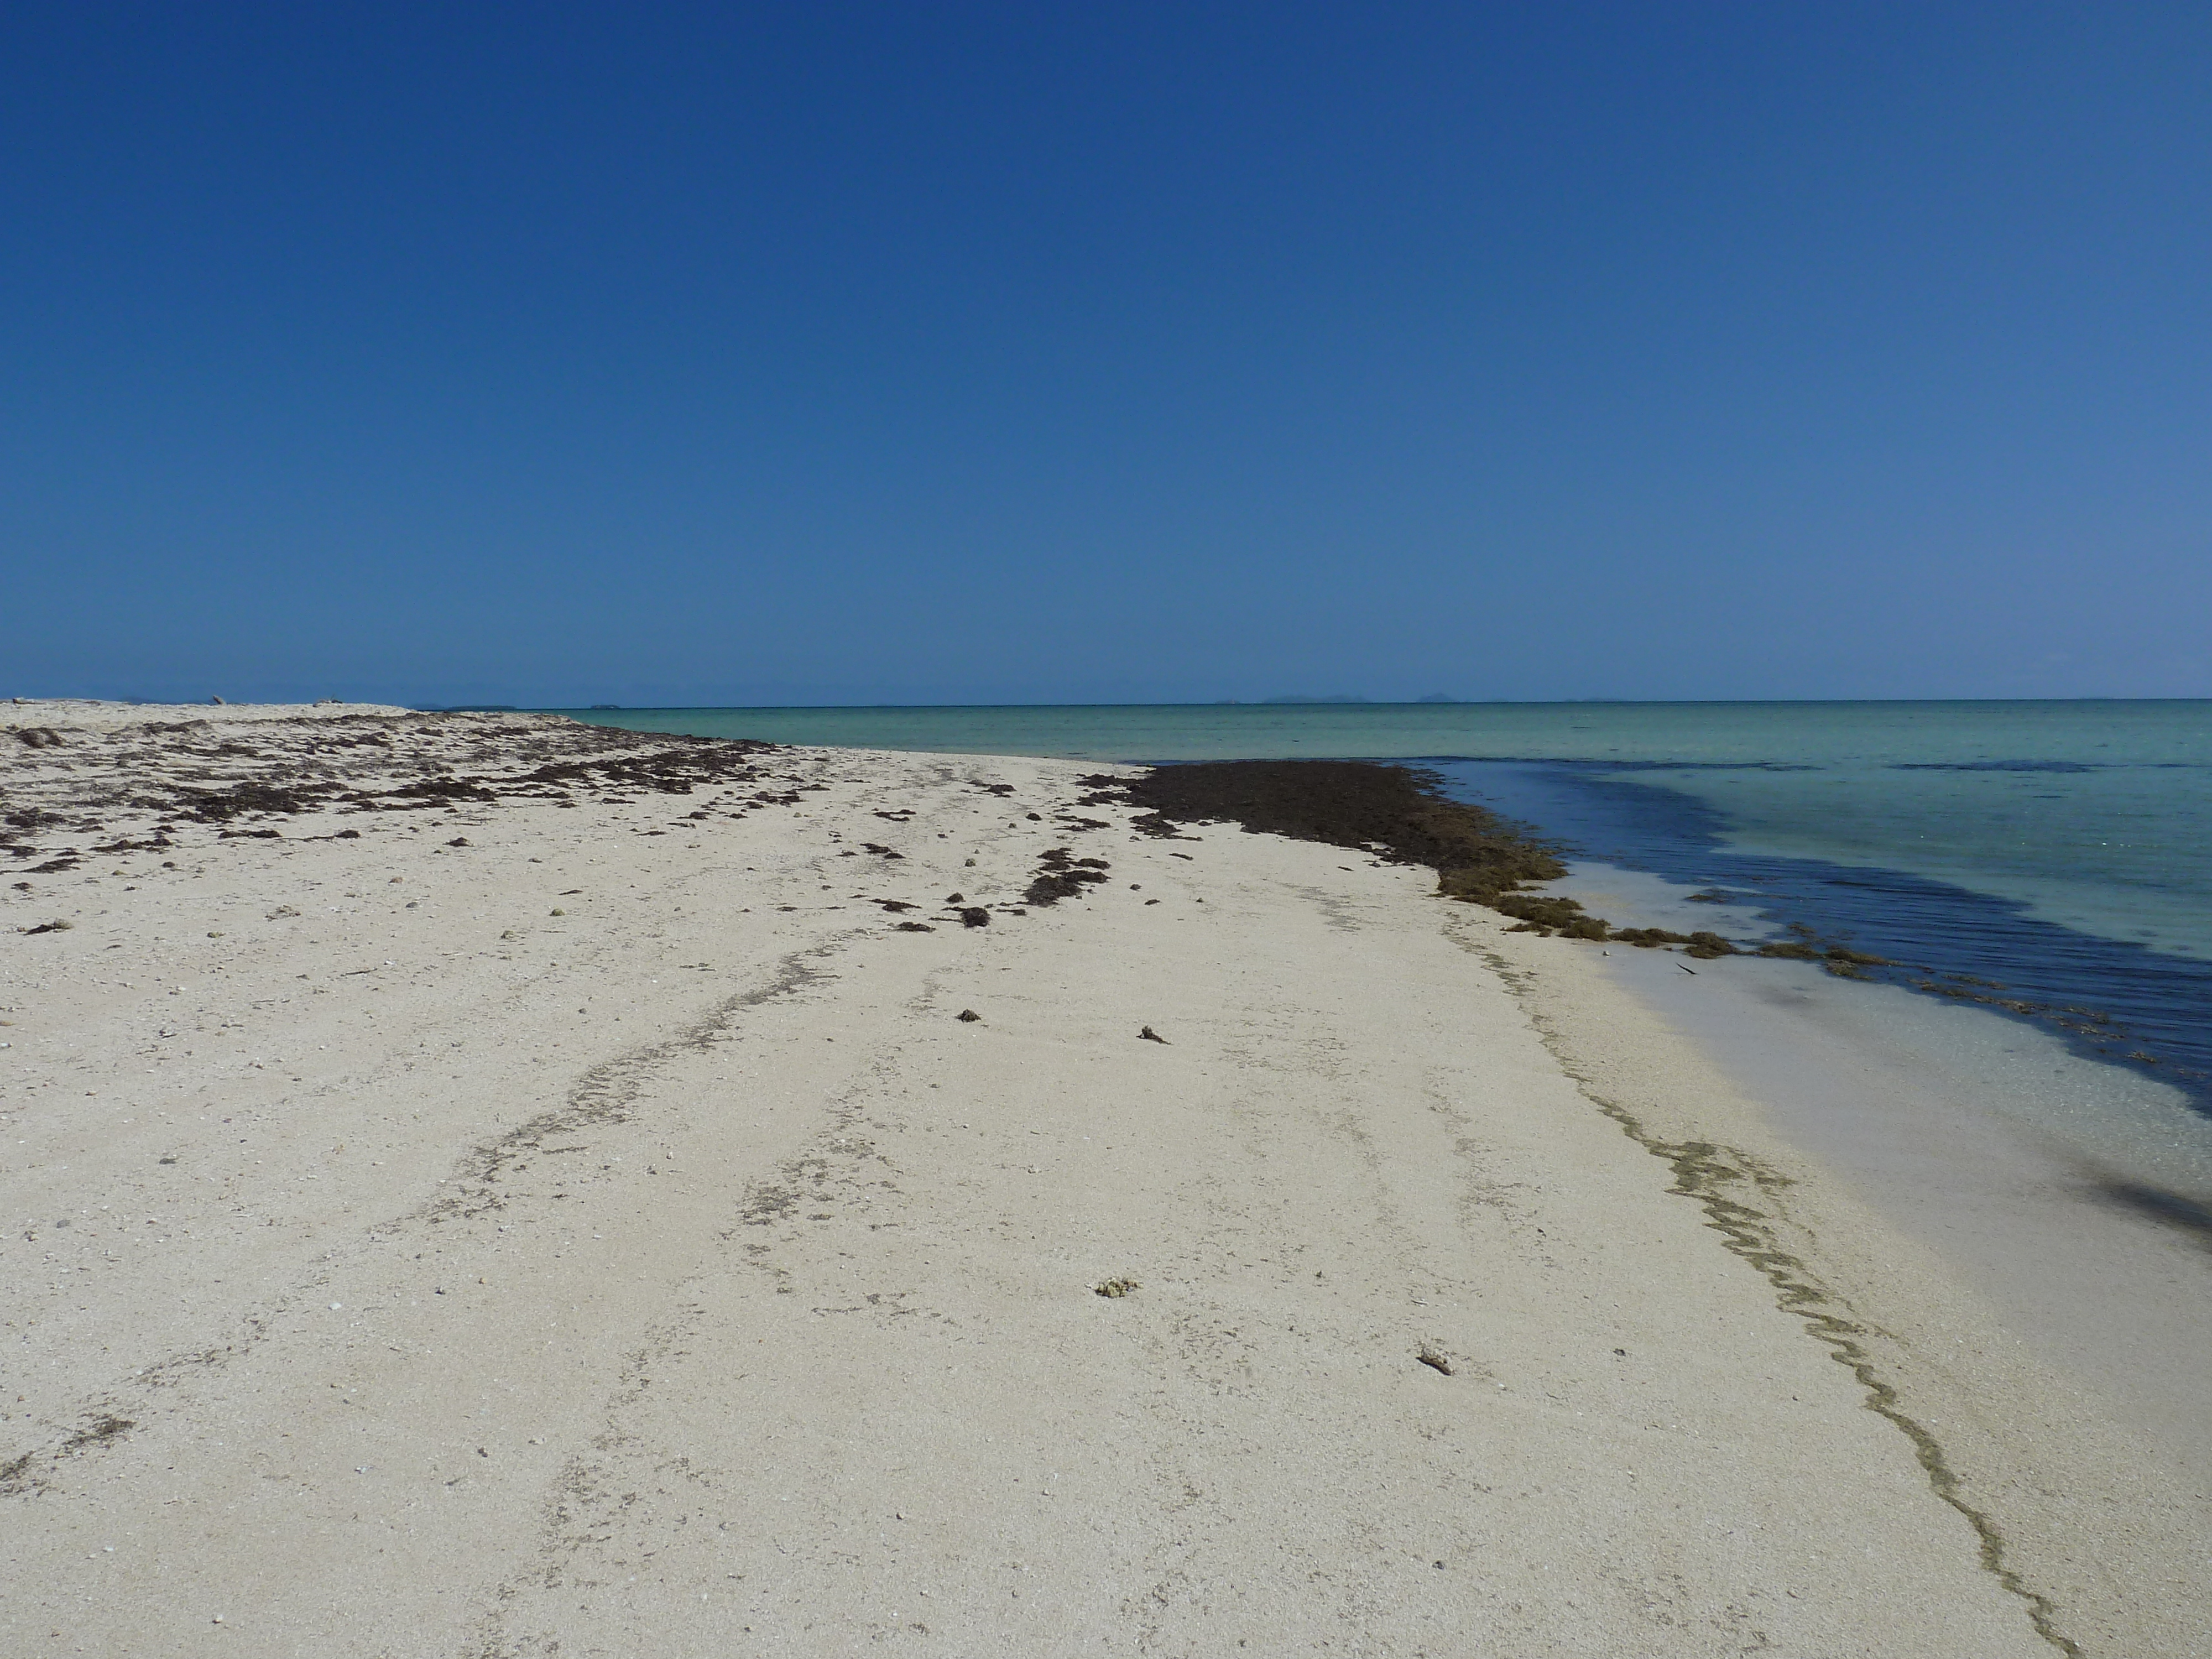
{"type": "Point", "coordinates": [160, 843]}
{"type": "Point", "coordinates": [1395, 813]}
{"type": "Point", "coordinates": [222, 805]}
{"type": "Point", "coordinates": [1060, 875]}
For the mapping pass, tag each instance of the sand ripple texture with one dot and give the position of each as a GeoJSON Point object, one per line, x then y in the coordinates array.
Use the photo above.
{"type": "Point", "coordinates": [480, 1185]}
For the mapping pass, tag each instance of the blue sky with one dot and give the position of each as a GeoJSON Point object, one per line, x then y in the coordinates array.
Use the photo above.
{"type": "Point", "coordinates": [671, 354]}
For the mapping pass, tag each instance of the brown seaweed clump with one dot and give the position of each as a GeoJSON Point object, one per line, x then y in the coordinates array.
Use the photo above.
{"type": "Point", "coordinates": [1540, 912]}
{"type": "Point", "coordinates": [1397, 813]}
{"type": "Point", "coordinates": [1394, 811]}
{"type": "Point", "coordinates": [1060, 875]}
{"type": "Point", "coordinates": [1843, 963]}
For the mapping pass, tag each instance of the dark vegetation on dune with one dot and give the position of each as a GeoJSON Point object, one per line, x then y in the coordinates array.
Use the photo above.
{"type": "Point", "coordinates": [1397, 813]}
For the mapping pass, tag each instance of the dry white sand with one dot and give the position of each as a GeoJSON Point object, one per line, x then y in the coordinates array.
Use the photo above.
{"type": "Point", "coordinates": [604, 1238]}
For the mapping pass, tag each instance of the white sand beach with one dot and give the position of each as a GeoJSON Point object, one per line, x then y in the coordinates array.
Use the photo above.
{"type": "Point", "coordinates": [523, 1192]}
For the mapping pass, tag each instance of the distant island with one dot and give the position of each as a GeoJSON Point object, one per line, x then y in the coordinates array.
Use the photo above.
{"type": "Point", "coordinates": [1433, 697]}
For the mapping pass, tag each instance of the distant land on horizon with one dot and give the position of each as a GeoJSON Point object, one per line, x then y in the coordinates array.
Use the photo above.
{"type": "Point", "coordinates": [1222, 703]}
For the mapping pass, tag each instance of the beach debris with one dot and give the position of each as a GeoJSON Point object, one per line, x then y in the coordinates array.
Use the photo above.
{"type": "Point", "coordinates": [459, 840]}
{"type": "Point", "coordinates": [1686, 969]}
{"type": "Point", "coordinates": [1856, 958]}
{"type": "Point", "coordinates": [38, 737]}
{"type": "Point", "coordinates": [955, 898]}
{"type": "Point", "coordinates": [1148, 1034]}
{"type": "Point", "coordinates": [975, 916]}
{"type": "Point", "coordinates": [967, 1016]}
{"type": "Point", "coordinates": [1060, 875]}
{"type": "Point", "coordinates": [556, 911]}
{"type": "Point", "coordinates": [61, 926]}
{"type": "Point", "coordinates": [1434, 1360]}
{"type": "Point", "coordinates": [1115, 1288]}
{"type": "Point", "coordinates": [913, 927]}
{"type": "Point", "coordinates": [1547, 913]}
{"type": "Point", "coordinates": [1807, 947]}
{"type": "Point", "coordinates": [1843, 963]}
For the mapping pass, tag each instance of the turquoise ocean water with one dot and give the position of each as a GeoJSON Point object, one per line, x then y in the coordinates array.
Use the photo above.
{"type": "Point", "coordinates": [2061, 852]}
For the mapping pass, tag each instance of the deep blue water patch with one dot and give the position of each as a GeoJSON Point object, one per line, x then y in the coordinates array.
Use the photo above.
{"type": "Point", "coordinates": [2121, 1003]}
{"type": "Point", "coordinates": [2000, 766]}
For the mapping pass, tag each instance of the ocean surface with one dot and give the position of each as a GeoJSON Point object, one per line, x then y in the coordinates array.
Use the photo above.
{"type": "Point", "coordinates": [2051, 861]}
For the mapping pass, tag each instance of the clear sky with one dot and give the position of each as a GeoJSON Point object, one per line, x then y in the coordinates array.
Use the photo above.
{"type": "Point", "coordinates": [1043, 352]}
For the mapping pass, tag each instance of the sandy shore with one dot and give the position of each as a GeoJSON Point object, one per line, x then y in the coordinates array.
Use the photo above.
{"type": "Point", "coordinates": [542, 1198]}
